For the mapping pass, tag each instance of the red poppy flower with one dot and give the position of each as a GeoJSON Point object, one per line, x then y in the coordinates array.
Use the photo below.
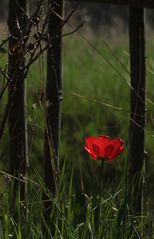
{"type": "Point", "coordinates": [103, 147]}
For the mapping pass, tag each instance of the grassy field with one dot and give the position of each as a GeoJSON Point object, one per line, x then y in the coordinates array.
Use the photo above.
{"type": "Point", "coordinates": [96, 101]}
{"type": "Point", "coordinates": [96, 95]}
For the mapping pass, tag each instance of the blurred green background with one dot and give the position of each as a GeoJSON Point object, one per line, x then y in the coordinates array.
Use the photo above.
{"type": "Point", "coordinates": [95, 101]}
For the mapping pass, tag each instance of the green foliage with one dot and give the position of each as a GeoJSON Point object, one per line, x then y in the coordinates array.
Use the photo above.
{"type": "Point", "coordinates": [96, 101]}
{"type": "Point", "coordinates": [102, 215]}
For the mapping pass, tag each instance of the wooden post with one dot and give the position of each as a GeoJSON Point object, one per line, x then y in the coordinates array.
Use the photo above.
{"type": "Point", "coordinates": [53, 99]}
{"type": "Point", "coordinates": [137, 107]}
{"type": "Point", "coordinates": [17, 93]}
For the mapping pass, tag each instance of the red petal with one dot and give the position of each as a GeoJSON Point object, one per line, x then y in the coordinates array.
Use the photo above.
{"type": "Point", "coordinates": [118, 148]}
{"type": "Point", "coordinates": [96, 150]}
{"type": "Point", "coordinates": [90, 152]}
{"type": "Point", "coordinates": [88, 146]}
{"type": "Point", "coordinates": [103, 147]}
{"type": "Point", "coordinates": [108, 150]}
{"type": "Point", "coordinates": [102, 142]}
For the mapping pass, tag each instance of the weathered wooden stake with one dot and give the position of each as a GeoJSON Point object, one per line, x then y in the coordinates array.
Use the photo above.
{"type": "Point", "coordinates": [53, 99]}
{"type": "Point", "coordinates": [17, 93]}
{"type": "Point", "coordinates": [137, 107]}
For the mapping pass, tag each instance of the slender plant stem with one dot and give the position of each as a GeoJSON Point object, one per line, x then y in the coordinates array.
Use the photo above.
{"type": "Point", "coordinates": [102, 177]}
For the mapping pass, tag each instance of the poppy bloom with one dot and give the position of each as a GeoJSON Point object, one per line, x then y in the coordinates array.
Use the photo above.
{"type": "Point", "coordinates": [103, 147]}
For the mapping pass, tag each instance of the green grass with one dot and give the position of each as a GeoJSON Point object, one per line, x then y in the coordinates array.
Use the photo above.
{"type": "Point", "coordinates": [74, 215]}
{"type": "Point", "coordinates": [96, 101]}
